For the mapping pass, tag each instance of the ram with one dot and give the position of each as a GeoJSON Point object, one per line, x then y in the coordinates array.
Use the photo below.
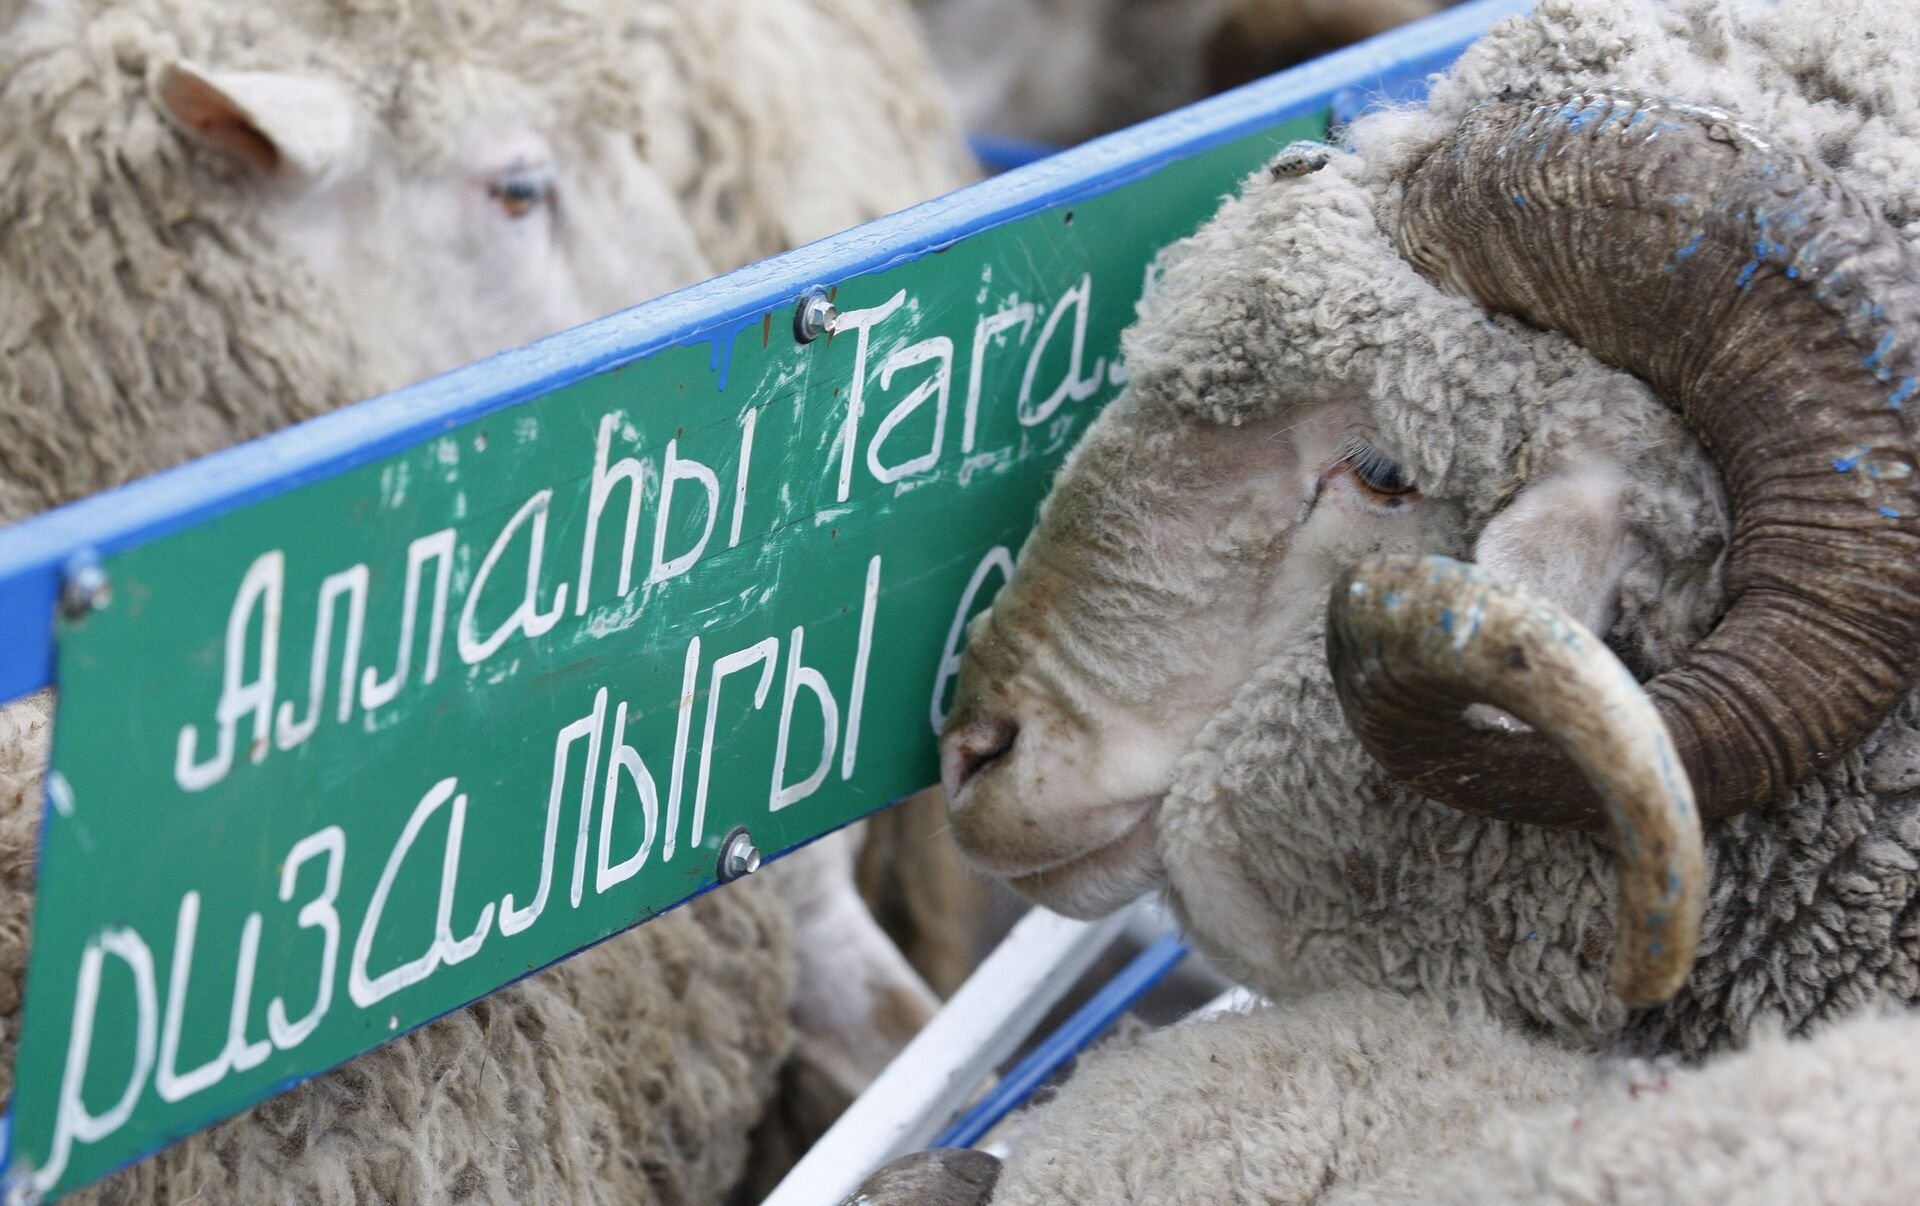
{"type": "Point", "coordinates": [1645, 361]}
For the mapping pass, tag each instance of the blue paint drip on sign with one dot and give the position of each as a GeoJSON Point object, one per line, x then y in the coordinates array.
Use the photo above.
{"type": "Point", "coordinates": [721, 362]}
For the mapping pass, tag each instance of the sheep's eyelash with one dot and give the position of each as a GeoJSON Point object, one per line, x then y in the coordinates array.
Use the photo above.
{"type": "Point", "coordinates": [521, 187]}
{"type": "Point", "coordinates": [1373, 466]}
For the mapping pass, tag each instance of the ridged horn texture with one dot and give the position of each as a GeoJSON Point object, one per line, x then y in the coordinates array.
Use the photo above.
{"type": "Point", "coordinates": [1779, 314]}
{"type": "Point", "coordinates": [937, 1177]}
{"type": "Point", "coordinates": [1413, 637]}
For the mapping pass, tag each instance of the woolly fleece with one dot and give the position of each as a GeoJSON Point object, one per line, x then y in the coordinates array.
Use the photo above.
{"type": "Point", "coordinates": [1366, 1099]}
{"type": "Point", "coordinates": [124, 261]}
{"type": "Point", "coordinates": [1826, 1119]}
{"type": "Point", "coordinates": [778, 124]}
{"type": "Point", "coordinates": [1276, 1105]}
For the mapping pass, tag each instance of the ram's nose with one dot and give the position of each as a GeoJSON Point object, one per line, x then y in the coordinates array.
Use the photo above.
{"type": "Point", "coordinates": [971, 747]}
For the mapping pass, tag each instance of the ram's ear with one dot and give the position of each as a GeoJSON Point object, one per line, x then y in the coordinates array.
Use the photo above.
{"type": "Point", "coordinates": [294, 129]}
{"type": "Point", "coordinates": [1563, 537]}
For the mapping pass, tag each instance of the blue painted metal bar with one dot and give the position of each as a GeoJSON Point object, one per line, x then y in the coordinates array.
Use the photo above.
{"type": "Point", "coordinates": [1089, 1022]}
{"type": "Point", "coordinates": [35, 554]}
{"type": "Point", "coordinates": [1000, 153]}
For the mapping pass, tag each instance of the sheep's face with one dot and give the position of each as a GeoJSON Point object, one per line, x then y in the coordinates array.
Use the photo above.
{"type": "Point", "coordinates": [479, 233]}
{"type": "Point", "coordinates": [1173, 559]}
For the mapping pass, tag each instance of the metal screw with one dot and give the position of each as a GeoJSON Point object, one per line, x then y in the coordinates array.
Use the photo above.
{"type": "Point", "coordinates": [19, 1189]}
{"type": "Point", "coordinates": [86, 590]}
{"type": "Point", "coordinates": [738, 856]}
{"type": "Point", "coordinates": [815, 316]}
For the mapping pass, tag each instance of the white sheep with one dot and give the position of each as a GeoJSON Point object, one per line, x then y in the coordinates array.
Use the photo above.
{"type": "Point", "coordinates": [1183, 688]}
{"type": "Point", "coordinates": [575, 226]}
{"type": "Point", "coordinates": [381, 192]}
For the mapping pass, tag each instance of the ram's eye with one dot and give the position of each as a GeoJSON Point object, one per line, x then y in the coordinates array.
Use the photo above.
{"type": "Point", "coordinates": [519, 191]}
{"type": "Point", "coordinates": [1376, 473]}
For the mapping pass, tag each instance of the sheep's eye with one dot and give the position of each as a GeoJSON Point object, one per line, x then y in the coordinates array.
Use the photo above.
{"type": "Point", "coordinates": [1375, 472]}
{"type": "Point", "coordinates": [521, 191]}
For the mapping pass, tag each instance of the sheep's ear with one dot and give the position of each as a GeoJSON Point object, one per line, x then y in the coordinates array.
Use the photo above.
{"type": "Point", "coordinates": [297, 129]}
{"type": "Point", "coordinates": [1563, 536]}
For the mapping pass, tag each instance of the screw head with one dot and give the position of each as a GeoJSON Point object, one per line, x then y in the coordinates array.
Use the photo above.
{"type": "Point", "coordinates": [815, 315]}
{"type": "Point", "coordinates": [19, 1189]}
{"type": "Point", "coordinates": [738, 856]}
{"type": "Point", "coordinates": [87, 589]}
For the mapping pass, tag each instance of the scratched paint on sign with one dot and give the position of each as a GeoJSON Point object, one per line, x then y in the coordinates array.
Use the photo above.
{"type": "Point", "coordinates": [350, 757]}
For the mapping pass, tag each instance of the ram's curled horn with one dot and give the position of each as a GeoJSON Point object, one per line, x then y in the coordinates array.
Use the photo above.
{"type": "Point", "coordinates": [1779, 314]}
{"type": "Point", "coordinates": [1412, 641]}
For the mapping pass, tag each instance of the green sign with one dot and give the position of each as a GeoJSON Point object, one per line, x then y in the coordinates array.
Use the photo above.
{"type": "Point", "coordinates": [349, 758]}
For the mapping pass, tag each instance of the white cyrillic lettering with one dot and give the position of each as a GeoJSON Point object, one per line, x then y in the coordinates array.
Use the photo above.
{"type": "Point", "coordinates": [605, 478]}
{"type": "Point", "coordinates": [74, 1121]}
{"type": "Point", "coordinates": [625, 758]}
{"type": "Point", "coordinates": [763, 652]}
{"type": "Point", "coordinates": [689, 678]}
{"type": "Point", "coordinates": [351, 582]}
{"type": "Point", "coordinates": [938, 386]}
{"type": "Point", "coordinates": [861, 322]}
{"type": "Point", "coordinates": [799, 676]}
{"type": "Point", "coordinates": [597, 717]}
{"type": "Point", "coordinates": [513, 920]}
{"type": "Point", "coordinates": [241, 1054]}
{"type": "Point", "coordinates": [444, 948]}
{"type": "Point", "coordinates": [747, 423]}
{"type": "Point", "coordinates": [171, 1084]}
{"type": "Point", "coordinates": [317, 913]}
{"type": "Point", "coordinates": [868, 605]}
{"type": "Point", "coordinates": [997, 558]}
{"type": "Point", "coordinates": [261, 589]}
{"type": "Point", "coordinates": [438, 545]}
{"type": "Point", "coordinates": [678, 470]}
{"type": "Point", "coordinates": [984, 333]}
{"type": "Point", "coordinates": [526, 617]}
{"type": "Point", "coordinates": [1073, 385]}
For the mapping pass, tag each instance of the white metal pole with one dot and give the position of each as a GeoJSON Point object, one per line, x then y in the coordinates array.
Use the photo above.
{"type": "Point", "coordinates": [930, 1082]}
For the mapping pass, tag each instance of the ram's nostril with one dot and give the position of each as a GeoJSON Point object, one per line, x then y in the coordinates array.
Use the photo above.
{"type": "Point", "coordinates": [971, 748]}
